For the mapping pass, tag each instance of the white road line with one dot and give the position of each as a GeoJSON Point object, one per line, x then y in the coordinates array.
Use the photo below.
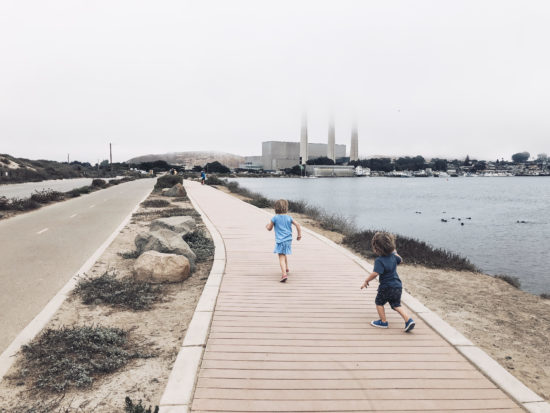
{"type": "Point", "coordinates": [91, 206]}
{"type": "Point", "coordinates": [73, 215]}
{"type": "Point", "coordinates": [42, 230]}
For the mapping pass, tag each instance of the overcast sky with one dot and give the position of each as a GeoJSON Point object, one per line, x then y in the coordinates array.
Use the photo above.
{"type": "Point", "coordinates": [436, 78]}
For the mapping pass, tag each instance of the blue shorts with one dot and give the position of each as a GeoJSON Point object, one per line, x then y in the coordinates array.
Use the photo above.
{"type": "Point", "coordinates": [390, 295]}
{"type": "Point", "coordinates": [284, 247]}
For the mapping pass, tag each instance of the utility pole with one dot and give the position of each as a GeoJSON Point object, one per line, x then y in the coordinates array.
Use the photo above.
{"type": "Point", "coordinates": [111, 154]}
{"type": "Point", "coordinates": [68, 159]}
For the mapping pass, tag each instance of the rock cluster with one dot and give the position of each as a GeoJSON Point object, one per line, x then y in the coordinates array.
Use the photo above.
{"type": "Point", "coordinates": [163, 254]}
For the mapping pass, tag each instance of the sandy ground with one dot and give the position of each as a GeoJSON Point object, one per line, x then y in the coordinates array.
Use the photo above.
{"type": "Point", "coordinates": [162, 328]}
{"type": "Point", "coordinates": [511, 325]}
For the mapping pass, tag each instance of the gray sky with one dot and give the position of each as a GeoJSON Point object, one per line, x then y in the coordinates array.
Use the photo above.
{"type": "Point", "coordinates": [437, 78]}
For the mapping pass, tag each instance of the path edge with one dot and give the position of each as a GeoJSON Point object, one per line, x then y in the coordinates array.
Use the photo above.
{"type": "Point", "coordinates": [37, 324]}
{"type": "Point", "coordinates": [488, 366]}
{"type": "Point", "coordinates": [180, 388]}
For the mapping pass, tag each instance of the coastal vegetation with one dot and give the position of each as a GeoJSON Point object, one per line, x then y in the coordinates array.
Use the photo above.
{"type": "Point", "coordinates": [416, 251]}
{"type": "Point", "coordinates": [167, 181]}
{"type": "Point", "coordinates": [73, 357]}
{"type": "Point", "coordinates": [47, 196]}
{"type": "Point", "coordinates": [155, 203]}
{"type": "Point", "coordinates": [126, 293]}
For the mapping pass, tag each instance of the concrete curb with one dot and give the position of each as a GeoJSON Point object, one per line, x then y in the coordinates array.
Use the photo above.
{"type": "Point", "coordinates": [178, 394]}
{"type": "Point", "coordinates": [518, 391]}
{"type": "Point", "coordinates": [7, 358]}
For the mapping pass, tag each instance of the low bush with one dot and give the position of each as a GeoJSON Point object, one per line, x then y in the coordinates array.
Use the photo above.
{"type": "Point", "coordinates": [22, 204]}
{"type": "Point", "coordinates": [47, 195]}
{"type": "Point", "coordinates": [4, 203]}
{"type": "Point", "coordinates": [513, 281]}
{"type": "Point", "coordinates": [298, 207]}
{"type": "Point", "coordinates": [167, 181]}
{"type": "Point", "coordinates": [237, 189]}
{"type": "Point", "coordinates": [413, 252]}
{"type": "Point", "coordinates": [130, 407]}
{"type": "Point", "coordinates": [261, 201]}
{"type": "Point", "coordinates": [126, 292]}
{"type": "Point", "coordinates": [335, 222]}
{"type": "Point", "coordinates": [180, 199]}
{"type": "Point", "coordinates": [155, 203]}
{"type": "Point", "coordinates": [121, 180]}
{"type": "Point", "coordinates": [202, 246]}
{"type": "Point", "coordinates": [165, 213]}
{"type": "Point", "coordinates": [71, 357]}
{"type": "Point", "coordinates": [99, 183]}
{"type": "Point", "coordinates": [214, 180]}
{"type": "Point", "coordinates": [546, 296]}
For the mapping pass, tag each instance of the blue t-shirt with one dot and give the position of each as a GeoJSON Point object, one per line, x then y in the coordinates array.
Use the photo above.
{"type": "Point", "coordinates": [386, 267]}
{"type": "Point", "coordinates": [283, 227]}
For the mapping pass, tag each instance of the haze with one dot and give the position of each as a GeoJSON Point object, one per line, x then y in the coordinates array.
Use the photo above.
{"type": "Point", "coordinates": [437, 78]}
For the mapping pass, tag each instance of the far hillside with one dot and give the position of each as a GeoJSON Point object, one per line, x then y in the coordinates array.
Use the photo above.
{"type": "Point", "coordinates": [192, 158]}
{"type": "Point", "coordinates": [16, 170]}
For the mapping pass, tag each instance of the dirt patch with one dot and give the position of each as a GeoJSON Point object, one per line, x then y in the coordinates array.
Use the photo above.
{"type": "Point", "coordinates": [511, 325]}
{"type": "Point", "coordinates": [160, 330]}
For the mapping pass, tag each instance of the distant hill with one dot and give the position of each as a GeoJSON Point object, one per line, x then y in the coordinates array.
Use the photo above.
{"type": "Point", "coordinates": [14, 170]}
{"type": "Point", "coordinates": [192, 158]}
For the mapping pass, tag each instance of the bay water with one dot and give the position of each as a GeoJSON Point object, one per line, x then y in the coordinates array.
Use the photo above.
{"type": "Point", "coordinates": [506, 220]}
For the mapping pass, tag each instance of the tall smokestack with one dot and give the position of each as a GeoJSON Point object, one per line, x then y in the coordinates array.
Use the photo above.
{"type": "Point", "coordinates": [354, 150]}
{"type": "Point", "coordinates": [303, 140]}
{"type": "Point", "coordinates": [331, 134]}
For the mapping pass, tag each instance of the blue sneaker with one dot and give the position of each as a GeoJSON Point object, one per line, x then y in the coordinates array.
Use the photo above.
{"type": "Point", "coordinates": [409, 325]}
{"type": "Point", "coordinates": [379, 324]}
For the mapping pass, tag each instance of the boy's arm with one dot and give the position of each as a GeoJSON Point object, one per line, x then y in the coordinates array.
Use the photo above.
{"type": "Point", "coordinates": [371, 277]}
{"type": "Point", "coordinates": [400, 260]}
{"type": "Point", "coordinates": [269, 226]}
{"type": "Point", "coordinates": [298, 228]}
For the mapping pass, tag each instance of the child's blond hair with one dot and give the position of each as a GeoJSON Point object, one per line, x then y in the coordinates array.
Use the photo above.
{"type": "Point", "coordinates": [383, 243]}
{"type": "Point", "coordinates": [281, 206]}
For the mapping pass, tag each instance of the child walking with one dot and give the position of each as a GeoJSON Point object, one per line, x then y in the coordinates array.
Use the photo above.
{"type": "Point", "coordinates": [390, 288]}
{"type": "Point", "coordinates": [283, 234]}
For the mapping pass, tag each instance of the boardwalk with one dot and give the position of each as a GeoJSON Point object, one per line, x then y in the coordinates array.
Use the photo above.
{"type": "Point", "coordinates": [307, 346]}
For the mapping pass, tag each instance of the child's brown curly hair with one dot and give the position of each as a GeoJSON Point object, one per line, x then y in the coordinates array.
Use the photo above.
{"type": "Point", "coordinates": [281, 206]}
{"type": "Point", "coordinates": [383, 243]}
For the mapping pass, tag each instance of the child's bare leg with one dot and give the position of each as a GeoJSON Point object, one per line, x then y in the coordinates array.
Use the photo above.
{"type": "Point", "coordinates": [402, 312]}
{"type": "Point", "coordinates": [381, 312]}
{"type": "Point", "coordinates": [282, 263]}
{"type": "Point", "coordinates": [286, 264]}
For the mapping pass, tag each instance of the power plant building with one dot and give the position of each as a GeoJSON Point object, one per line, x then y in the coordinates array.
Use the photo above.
{"type": "Point", "coordinates": [280, 155]}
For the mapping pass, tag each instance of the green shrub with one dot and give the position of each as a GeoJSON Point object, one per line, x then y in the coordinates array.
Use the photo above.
{"type": "Point", "coordinates": [22, 204]}
{"type": "Point", "coordinates": [168, 181]}
{"type": "Point", "coordinates": [58, 360]}
{"type": "Point", "coordinates": [214, 180]}
{"type": "Point", "coordinates": [99, 183]}
{"type": "Point", "coordinates": [166, 213]}
{"type": "Point", "coordinates": [130, 407]}
{"type": "Point", "coordinates": [513, 281]}
{"type": "Point", "coordinates": [202, 246]}
{"type": "Point", "coordinates": [260, 201]}
{"type": "Point", "coordinates": [155, 203]}
{"type": "Point", "coordinates": [47, 195]}
{"type": "Point", "coordinates": [125, 293]}
{"type": "Point", "coordinates": [412, 250]}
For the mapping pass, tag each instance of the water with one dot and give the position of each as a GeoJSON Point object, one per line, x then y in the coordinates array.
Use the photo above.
{"type": "Point", "coordinates": [492, 239]}
{"type": "Point", "coordinates": [26, 189]}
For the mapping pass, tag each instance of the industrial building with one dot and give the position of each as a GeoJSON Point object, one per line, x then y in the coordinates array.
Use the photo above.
{"type": "Point", "coordinates": [280, 155]}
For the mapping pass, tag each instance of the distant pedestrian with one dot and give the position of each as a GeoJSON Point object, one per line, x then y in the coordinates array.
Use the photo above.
{"type": "Point", "coordinates": [390, 288]}
{"type": "Point", "coordinates": [283, 234]}
{"type": "Point", "coordinates": [203, 177]}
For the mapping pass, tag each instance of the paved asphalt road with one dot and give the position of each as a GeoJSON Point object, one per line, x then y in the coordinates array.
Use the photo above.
{"type": "Point", "coordinates": [41, 250]}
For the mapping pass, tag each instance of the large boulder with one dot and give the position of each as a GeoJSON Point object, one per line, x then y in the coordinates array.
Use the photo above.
{"type": "Point", "coordinates": [176, 190]}
{"type": "Point", "coordinates": [164, 240]}
{"type": "Point", "coordinates": [158, 267]}
{"type": "Point", "coordinates": [181, 225]}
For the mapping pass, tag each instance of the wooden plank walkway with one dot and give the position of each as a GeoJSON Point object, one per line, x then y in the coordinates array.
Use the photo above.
{"type": "Point", "coordinates": [307, 346]}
